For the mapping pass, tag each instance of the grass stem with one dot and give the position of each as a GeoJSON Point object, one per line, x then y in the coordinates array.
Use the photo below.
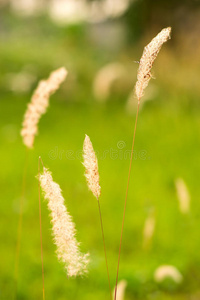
{"type": "Point", "coordinates": [40, 217]}
{"type": "Point", "coordinates": [19, 227]}
{"type": "Point", "coordinates": [104, 244]}
{"type": "Point", "coordinates": [125, 204]}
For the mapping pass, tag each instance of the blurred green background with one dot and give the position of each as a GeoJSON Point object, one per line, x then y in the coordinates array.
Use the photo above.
{"type": "Point", "coordinates": [98, 42]}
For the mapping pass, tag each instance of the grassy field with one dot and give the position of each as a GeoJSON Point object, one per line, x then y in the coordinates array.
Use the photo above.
{"type": "Point", "coordinates": [167, 147]}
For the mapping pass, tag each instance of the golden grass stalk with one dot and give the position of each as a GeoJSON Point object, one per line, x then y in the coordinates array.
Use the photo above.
{"type": "Point", "coordinates": [144, 75]}
{"type": "Point", "coordinates": [121, 288]}
{"type": "Point", "coordinates": [63, 228]}
{"type": "Point", "coordinates": [183, 195]}
{"type": "Point", "coordinates": [167, 271]}
{"type": "Point", "coordinates": [105, 78]}
{"type": "Point", "coordinates": [146, 62]}
{"type": "Point", "coordinates": [92, 176]}
{"type": "Point", "coordinates": [40, 218]}
{"type": "Point", "coordinates": [91, 167]}
{"type": "Point", "coordinates": [38, 105]}
{"type": "Point", "coordinates": [19, 227]}
{"type": "Point", "coordinates": [149, 229]}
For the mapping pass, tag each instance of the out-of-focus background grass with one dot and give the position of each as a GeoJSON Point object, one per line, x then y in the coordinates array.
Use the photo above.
{"type": "Point", "coordinates": [98, 43]}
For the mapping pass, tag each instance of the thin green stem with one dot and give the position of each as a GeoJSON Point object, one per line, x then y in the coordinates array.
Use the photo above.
{"type": "Point", "coordinates": [125, 204]}
{"type": "Point", "coordinates": [19, 229]}
{"type": "Point", "coordinates": [104, 245]}
{"type": "Point", "coordinates": [40, 217]}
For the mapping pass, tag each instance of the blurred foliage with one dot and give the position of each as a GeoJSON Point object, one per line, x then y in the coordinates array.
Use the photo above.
{"type": "Point", "coordinates": [144, 16]}
{"type": "Point", "coordinates": [168, 130]}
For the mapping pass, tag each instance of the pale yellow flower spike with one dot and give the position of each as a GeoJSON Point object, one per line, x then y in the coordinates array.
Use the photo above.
{"type": "Point", "coordinates": [121, 287]}
{"type": "Point", "coordinates": [183, 195]}
{"type": "Point", "coordinates": [143, 76]}
{"type": "Point", "coordinates": [167, 271]}
{"type": "Point", "coordinates": [146, 62]}
{"type": "Point", "coordinates": [38, 105]}
{"type": "Point", "coordinates": [91, 167]}
{"type": "Point", "coordinates": [92, 176]}
{"type": "Point", "coordinates": [63, 228]}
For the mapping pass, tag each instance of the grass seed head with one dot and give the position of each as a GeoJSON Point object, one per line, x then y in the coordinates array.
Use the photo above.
{"type": "Point", "coordinates": [121, 288]}
{"type": "Point", "coordinates": [183, 195]}
{"type": "Point", "coordinates": [167, 271]}
{"type": "Point", "coordinates": [63, 228]}
{"type": "Point", "coordinates": [91, 167]}
{"type": "Point", "coordinates": [38, 105]}
{"type": "Point", "coordinates": [146, 62]}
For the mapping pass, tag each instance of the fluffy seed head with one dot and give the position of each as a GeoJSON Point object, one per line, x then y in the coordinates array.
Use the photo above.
{"type": "Point", "coordinates": [121, 287]}
{"type": "Point", "coordinates": [148, 231]}
{"type": "Point", "coordinates": [38, 105]}
{"type": "Point", "coordinates": [63, 228]}
{"type": "Point", "coordinates": [91, 167]}
{"type": "Point", "coordinates": [146, 62]}
{"type": "Point", "coordinates": [183, 195]}
{"type": "Point", "coordinates": [167, 271]}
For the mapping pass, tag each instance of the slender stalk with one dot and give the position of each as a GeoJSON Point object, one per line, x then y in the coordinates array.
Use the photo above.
{"type": "Point", "coordinates": [92, 176]}
{"type": "Point", "coordinates": [143, 77]}
{"type": "Point", "coordinates": [104, 245]}
{"type": "Point", "coordinates": [40, 217]}
{"type": "Point", "coordinates": [127, 188]}
{"type": "Point", "coordinates": [19, 229]}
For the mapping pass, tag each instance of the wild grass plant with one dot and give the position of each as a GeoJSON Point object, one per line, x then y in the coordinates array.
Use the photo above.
{"type": "Point", "coordinates": [36, 108]}
{"type": "Point", "coordinates": [92, 176]}
{"type": "Point", "coordinates": [143, 77]}
{"type": "Point", "coordinates": [63, 227]}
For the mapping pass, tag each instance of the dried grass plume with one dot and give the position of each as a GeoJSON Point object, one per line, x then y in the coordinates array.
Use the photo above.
{"type": "Point", "coordinates": [105, 78]}
{"type": "Point", "coordinates": [149, 229]}
{"type": "Point", "coordinates": [38, 105]}
{"type": "Point", "coordinates": [183, 195]}
{"type": "Point", "coordinates": [63, 228]}
{"type": "Point", "coordinates": [146, 62]}
{"type": "Point", "coordinates": [91, 167]}
{"type": "Point", "coordinates": [168, 271]}
{"type": "Point", "coordinates": [121, 287]}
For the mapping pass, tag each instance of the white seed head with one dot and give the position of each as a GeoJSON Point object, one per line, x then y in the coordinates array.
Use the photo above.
{"type": "Point", "coordinates": [38, 105]}
{"type": "Point", "coordinates": [121, 288]}
{"type": "Point", "coordinates": [105, 78]}
{"type": "Point", "coordinates": [64, 232]}
{"type": "Point", "coordinates": [167, 271]}
{"type": "Point", "coordinates": [91, 167]}
{"type": "Point", "coordinates": [149, 229]}
{"type": "Point", "coordinates": [146, 62]}
{"type": "Point", "coordinates": [183, 195]}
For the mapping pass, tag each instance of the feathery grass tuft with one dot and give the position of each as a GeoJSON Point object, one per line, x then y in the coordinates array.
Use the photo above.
{"type": "Point", "coordinates": [38, 105]}
{"type": "Point", "coordinates": [146, 62]}
{"type": "Point", "coordinates": [167, 271]}
{"type": "Point", "coordinates": [183, 195]}
{"type": "Point", "coordinates": [91, 167]}
{"type": "Point", "coordinates": [92, 176]}
{"type": "Point", "coordinates": [121, 288]}
{"type": "Point", "coordinates": [64, 231]}
{"type": "Point", "coordinates": [144, 75]}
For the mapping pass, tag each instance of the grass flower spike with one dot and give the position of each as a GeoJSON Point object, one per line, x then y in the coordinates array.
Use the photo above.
{"type": "Point", "coordinates": [167, 271]}
{"type": "Point", "coordinates": [92, 176]}
{"type": "Point", "coordinates": [143, 76]}
{"type": "Point", "coordinates": [146, 62]}
{"type": "Point", "coordinates": [63, 228]}
{"type": "Point", "coordinates": [183, 195]}
{"type": "Point", "coordinates": [91, 167]}
{"type": "Point", "coordinates": [121, 288]}
{"type": "Point", "coordinates": [38, 105]}
{"type": "Point", "coordinates": [149, 229]}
